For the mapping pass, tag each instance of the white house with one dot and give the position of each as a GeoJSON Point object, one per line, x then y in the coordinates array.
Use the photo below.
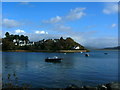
{"type": "Point", "coordinates": [76, 47]}
{"type": "Point", "coordinates": [14, 40]}
{"type": "Point", "coordinates": [22, 43]}
{"type": "Point", "coordinates": [30, 43]}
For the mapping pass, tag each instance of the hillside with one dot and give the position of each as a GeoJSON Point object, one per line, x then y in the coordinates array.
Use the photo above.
{"type": "Point", "coordinates": [21, 42]}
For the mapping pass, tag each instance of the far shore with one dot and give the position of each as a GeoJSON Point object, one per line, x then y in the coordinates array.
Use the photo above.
{"type": "Point", "coordinates": [107, 49]}
{"type": "Point", "coordinates": [58, 51]}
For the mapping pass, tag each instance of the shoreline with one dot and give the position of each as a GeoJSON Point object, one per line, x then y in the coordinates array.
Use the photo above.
{"type": "Point", "coordinates": [107, 49]}
{"type": "Point", "coordinates": [108, 86]}
{"type": "Point", "coordinates": [57, 51]}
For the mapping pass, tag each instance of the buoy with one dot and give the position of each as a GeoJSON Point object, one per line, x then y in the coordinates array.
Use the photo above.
{"type": "Point", "coordinates": [64, 53]}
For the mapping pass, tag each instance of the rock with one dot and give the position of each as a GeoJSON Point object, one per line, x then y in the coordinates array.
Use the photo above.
{"type": "Point", "coordinates": [113, 86]}
{"type": "Point", "coordinates": [90, 88]}
{"type": "Point", "coordinates": [102, 87]}
{"type": "Point", "coordinates": [72, 86]}
{"type": "Point", "coordinates": [109, 86]}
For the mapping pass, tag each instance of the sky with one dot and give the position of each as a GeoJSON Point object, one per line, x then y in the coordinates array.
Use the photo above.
{"type": "Point", "coordinates": [61, 0]}
{"type": "Point", "coordinates": [92, 24]}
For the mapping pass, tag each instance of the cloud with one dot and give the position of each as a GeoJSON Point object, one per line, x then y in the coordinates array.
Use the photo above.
{"type": "Point", "coordinates": [41, 32]}
{"type": "Point", "coordinates": [110, 8]}
{"type": "Point", "coordinates": [113, 25]}
{"type": "Point", "coordinates": [101, 42]}
{"type": "Point", "coordinates": [10, 23]}
{"type": "Point", "coordinates": [86, 39]}
{"type": "Point", "coordinates": [37, 37]}
{"type": "Point", "coordinates": [76, 13]}
{"type": "Point", "coordinates": [61, 28]}
{"type": "Point", "coordinates": [58, 23]}
{"type": "Point", "coordinates": [53, 20]}
{"type": "Point", "coordinates": [19, 31]}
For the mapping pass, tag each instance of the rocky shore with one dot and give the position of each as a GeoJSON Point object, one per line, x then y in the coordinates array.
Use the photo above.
{"type": "Point", "coordinates": [109, 86]}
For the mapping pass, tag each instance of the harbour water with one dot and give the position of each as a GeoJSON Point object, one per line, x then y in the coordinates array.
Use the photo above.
{"type": "Point", "coordinates": [75, 68]}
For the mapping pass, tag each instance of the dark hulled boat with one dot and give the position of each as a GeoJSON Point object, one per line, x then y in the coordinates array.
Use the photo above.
{"type": "Point", "coordinates": [53, 59]}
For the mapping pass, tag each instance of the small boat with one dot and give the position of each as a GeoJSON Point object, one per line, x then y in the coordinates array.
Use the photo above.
{"type": "Point", "coordinates": [87, 55]}
{"type": "Point", "coordinates": [53, 59]}
{"type": "Point", "coordinates": [106, 53]}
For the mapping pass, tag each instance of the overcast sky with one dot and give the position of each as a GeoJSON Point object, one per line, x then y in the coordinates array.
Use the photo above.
{"type": "Point", "coordinates": [92, 24]}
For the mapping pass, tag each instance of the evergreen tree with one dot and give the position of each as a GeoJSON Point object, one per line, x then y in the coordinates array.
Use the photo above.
{"type": "Point", "coordinates": [7, 34]}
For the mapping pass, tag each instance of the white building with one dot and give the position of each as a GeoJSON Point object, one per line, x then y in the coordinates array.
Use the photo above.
{"type": "Point", "coordinates": [31, 43]}
{"type": "Point", "coordinates": [14, 40]}
{"type": "Point", "coordinates": [76, 47]}
{"type": "Point", "coordinates": [22, 43]}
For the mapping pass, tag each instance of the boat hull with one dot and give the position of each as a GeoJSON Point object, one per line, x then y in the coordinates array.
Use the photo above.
{"type": "Point", "coordinates": [53, 60]}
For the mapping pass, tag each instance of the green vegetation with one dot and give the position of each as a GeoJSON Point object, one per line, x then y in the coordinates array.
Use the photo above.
{"type": "Point", "coordinates": [7, 42]}
{"type": "Point", "coordinates": [10, 81]}
{"type": "Point", "coordinates": [21, 42]}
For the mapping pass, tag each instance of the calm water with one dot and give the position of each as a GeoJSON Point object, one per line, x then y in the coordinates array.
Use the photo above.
{"type": "Point", "coordinates": [77, 69]}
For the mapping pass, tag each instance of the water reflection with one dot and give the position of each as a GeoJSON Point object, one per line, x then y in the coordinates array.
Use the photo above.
{"type": "Point", "coordinates": [75, 68]}
{"type": "Point", "coordinates": [14, 62]}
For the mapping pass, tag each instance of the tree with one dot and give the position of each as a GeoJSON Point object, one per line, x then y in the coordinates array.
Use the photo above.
{"type": "Point", "coordinates": [22, 37]}
{"type": "Point", "coordinates": [69, 39]}
{"type": "Point", "coordinates": [49, 44]}
{"type": "Point", "coordinates": [7, 34]}
{"type": "Point", "coordinates": [7, 45]}
{"type": "Point", "coordinates": [26, 38]}
{"type": "Point", "coordinates": [61, 38]}
{"type": "Point", "coordinates": [11, 38]}
{"type": "Point", "coordinates": [16, 37]}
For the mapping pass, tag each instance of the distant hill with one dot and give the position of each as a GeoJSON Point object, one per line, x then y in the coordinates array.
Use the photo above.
{"type": "Point", "coordinates": [118, 47]}
{"type": "Point", "coordinates": [21, 42]}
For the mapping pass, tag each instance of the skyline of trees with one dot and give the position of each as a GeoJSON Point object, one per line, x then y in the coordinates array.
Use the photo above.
{"type": "Point", "coordinates": [48, 44]}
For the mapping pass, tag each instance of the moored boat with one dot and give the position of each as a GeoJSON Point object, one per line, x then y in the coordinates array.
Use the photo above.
{"type": "Point", "coordinates": [53, 59]}
{"type": "Point", "coordinates": [106, 53]}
